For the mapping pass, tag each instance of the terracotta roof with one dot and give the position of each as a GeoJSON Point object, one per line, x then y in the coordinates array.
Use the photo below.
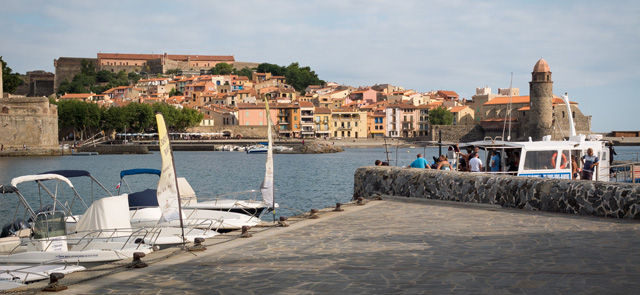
{"type": "Point", "coordinates": [169, 56]}
{"type": "Point", "coordinates": [77, 95]}
{"type": "Point", "coordinates": [505, 100]}
{"type": "Point", "coordinates": [306, 104]}
{"type": "Point", "coordinates": [541, 66]}
{"type": "Point", "coordinates": [321, 110]}
{"type": "Point", "coordinates": [457, 109]}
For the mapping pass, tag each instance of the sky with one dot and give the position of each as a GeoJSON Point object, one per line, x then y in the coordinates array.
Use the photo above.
{"type": "Point", "coordinates": [592, 47]}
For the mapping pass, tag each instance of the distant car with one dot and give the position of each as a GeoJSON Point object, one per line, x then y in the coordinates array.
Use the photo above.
{"type": "Point", "coordinates": [337, 138]}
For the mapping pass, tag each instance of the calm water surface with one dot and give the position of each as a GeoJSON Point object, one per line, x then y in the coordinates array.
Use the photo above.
{"type": "Point", "coordinates": [302, 181]}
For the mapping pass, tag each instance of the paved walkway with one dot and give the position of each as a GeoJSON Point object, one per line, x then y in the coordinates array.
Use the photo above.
{"type": "Point", "coordinates": [405, 247]}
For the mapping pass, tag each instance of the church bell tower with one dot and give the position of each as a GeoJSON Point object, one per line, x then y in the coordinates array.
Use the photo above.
{"type": "Point", "coordinates": [541, 100]}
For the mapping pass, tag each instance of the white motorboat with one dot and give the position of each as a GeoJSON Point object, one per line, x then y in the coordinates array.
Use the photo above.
{"type": "Point", "coordinates": [44, 237]}
{"type": "Point", "coordinates": [13, 276]}
{"type": "Point", "coordinates": [103, 219]}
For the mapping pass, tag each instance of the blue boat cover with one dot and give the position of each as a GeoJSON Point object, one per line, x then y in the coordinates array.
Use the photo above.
{"type": "Point", "coordinates": [144, 199]}
{"type": "Point", "coordinates": [124, 173]}
{"type": "Point", "coordinates": [69, 173]}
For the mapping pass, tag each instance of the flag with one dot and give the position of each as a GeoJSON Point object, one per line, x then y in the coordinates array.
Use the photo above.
{"type": "Point", "coordinates": [118, 186]}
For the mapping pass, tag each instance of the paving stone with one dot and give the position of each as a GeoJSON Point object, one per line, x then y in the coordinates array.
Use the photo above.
{"type": "Point", "coordinates": [406, 247]}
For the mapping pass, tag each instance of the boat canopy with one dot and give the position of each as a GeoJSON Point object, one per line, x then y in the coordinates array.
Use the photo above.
{"type": "Point", "coordinates": [69, 173]}
{"type": "Point", "coordinates": [144, 199]}
{"type": "Point", "coordinates": [7, 189]}
{"type": "Point", "coordinates": [21, 179]}
{"type": "Point", "coordinates": [106, 213]}
{"type": "Point", "coordinates": [124, 173]}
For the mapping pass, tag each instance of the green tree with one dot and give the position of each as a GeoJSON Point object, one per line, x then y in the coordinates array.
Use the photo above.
{"type": "Point", "coordinates": [10, 80]}
{"type": "Point", "coordinates": [275, 70]}
{"type": "Point", "coordinates": [140, 116]}
{"type": "Point", "coordinates": [300, 78]}
{"type": "Point", "coordinates": [222, 69]}
{"type": "Point", "coordinates": [172, 71]}
{"type": "Point", "coordinates": [440, 116]}
{"type": "Point", "coordinates": [78, 116]}
{"type": "Point", "coordinates": [87, 68]}
{"type": "Point", "coordinates": [104, 76]}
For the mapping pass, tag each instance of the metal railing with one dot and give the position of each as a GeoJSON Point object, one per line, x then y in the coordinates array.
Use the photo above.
{"type": "Point", "coordinates": [627, 172]}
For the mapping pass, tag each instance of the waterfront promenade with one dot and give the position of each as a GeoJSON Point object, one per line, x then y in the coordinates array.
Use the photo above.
{"type": "Point", "coordinates": [402, 246]}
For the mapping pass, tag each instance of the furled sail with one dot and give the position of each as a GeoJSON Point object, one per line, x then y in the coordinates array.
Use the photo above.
{"type": "Point", "coordinates": [168, 195]}
{"type": "Point", "coordinates": [266, 189]}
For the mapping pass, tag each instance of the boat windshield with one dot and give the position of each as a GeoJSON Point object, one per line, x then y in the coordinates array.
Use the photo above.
{"type": "Point", "coordinates": [50, 224]}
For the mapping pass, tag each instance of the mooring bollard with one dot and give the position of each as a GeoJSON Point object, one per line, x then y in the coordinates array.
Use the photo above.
{"type": "Point", "coordinates": [338, 208]}
{"type": "Point", "coordinates": [53, 283]}
{"type": "Point", "coordinates": [360, 201]}
{"type": "Point", "coordinates": [137, 261]}
{"type": "Point", "coordinates": [283, 221]}
{"type": "Point", "coordinates": [245, 232]}
{"type": "Point", "coordinates": [313, 214]}
{"type": "Point", "coordinates": [197, 245]}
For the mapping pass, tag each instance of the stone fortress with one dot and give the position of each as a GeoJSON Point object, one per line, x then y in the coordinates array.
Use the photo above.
{"type": "Point", "coordinates": [27, 122]}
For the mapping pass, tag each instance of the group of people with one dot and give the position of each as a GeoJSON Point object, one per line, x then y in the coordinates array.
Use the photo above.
{"type": "Point", "coordinates": [471, 162]}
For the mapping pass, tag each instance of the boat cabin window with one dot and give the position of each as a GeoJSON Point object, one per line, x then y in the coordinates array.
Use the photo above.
{"type": "Point", "coordinates": [540, 160]}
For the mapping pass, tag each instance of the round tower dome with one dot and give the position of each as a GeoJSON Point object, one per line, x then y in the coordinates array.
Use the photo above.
{"type": "Point", "coordinates": [541, 66]}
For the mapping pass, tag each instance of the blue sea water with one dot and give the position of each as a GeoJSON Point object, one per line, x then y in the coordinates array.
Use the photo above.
{"type": "Point", "coordinates": [302, 181]}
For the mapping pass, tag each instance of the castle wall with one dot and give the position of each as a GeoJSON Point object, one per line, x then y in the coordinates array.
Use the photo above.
{"type": "Point", "coordinates": [29, 121]}
{"type": "Point", "coordinates": [67, 67]}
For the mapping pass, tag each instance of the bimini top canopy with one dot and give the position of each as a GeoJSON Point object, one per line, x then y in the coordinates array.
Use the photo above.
{"type": "Point", "coordinates": [124, 173]}
{"type": "Point", "coordinates": [7, 189]}
{"type": "Point", "coordinates": [21, 179]}
{"type": "Point", "coordinates": [69, 173]}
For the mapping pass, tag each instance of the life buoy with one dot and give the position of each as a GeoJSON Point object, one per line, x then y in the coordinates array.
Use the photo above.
{"type": "Point", "coordinates": [563, 164]}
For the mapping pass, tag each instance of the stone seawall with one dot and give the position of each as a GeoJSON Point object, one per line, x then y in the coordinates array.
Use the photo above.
{"type": "Point", "coordinates": [553, 195]}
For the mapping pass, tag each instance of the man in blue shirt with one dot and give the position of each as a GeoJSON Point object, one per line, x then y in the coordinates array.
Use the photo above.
{"type": "Point", "coordinates": [589, 162]}
{"type": "Point", "coordinates": [495, 161]}
{"type": "Point", "coordinates": [420, 162]}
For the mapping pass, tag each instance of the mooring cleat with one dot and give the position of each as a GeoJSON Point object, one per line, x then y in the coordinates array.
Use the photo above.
{"type": "Point", "coordinates": [197, 245]}
{"type": "Point", "coordinates": [338, 208]}
{"type": "Point", "coordinates": [53, 285]}
{"type": "Point", "coordinates": [313, 214]}
{"type": "Point", "coordinates": [137, 261]}
{"type": "Point", "coordinates": [245, 232]}
{"type": "Point", "coordinates": [283, 221]}
{"type": "Point", "coordinates": [360, 201]}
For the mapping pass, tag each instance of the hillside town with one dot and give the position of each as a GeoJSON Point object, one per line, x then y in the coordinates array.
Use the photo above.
{"type": "Point", "coordinates": [233, 105]}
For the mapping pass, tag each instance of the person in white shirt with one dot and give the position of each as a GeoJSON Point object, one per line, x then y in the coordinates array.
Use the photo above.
{"type": "Point", "coordinates": [475, 164]}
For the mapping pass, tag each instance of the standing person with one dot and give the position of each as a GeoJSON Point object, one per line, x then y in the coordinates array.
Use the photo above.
{"type": "Point", "coordinates": [464, 162]}
{"type": "Point", "coordinates": [589, 162]}
{"type": "Point", "coordinates": [2, 148]}
{"type": "Point", "coordinates": [575, 170]}
{"type": "Point", "coordinates": [495, 161]}
{"type": "Point", "coordinates": [475, 164]}
{"type": "Point", "coordinates": [612, 152]}
{"type": "Point", "coordinates": [420, 162]}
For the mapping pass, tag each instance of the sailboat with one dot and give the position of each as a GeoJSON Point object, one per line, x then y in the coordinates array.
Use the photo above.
{"type": "Point", "coordinates": [168, 210]}
{"type": "Point", "coordinates": [250, 206]}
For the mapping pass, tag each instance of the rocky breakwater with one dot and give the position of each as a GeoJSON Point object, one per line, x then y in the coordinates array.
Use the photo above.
{"type": "Point", "coordinates": [313, 148]}
{"type": "Point", "coordinates": [582, 197]}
